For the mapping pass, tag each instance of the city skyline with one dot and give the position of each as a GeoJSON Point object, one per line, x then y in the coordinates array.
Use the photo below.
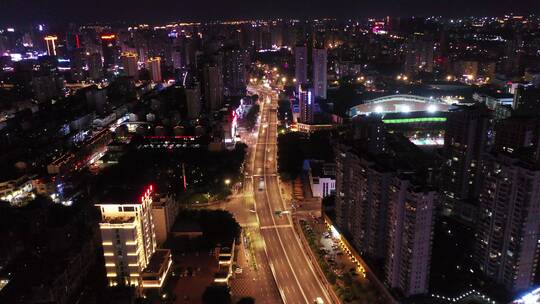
{"type": "Point", "coordinates": [161, 11]}
{"type": "Point", "coordinates": [318, 161]}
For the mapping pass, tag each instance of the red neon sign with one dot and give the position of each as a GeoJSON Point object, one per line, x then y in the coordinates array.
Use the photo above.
{"type": "Point", "coordinates": [147, 193]}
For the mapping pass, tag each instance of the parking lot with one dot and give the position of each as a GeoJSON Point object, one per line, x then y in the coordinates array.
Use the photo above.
{"type": "Point", "coordinates": [341, 269]}
{"type": "Point", "coordinates": [330, 247]}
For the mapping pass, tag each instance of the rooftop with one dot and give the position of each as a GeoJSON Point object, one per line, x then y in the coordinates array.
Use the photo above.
{"type": "Point", "coordinates": [122, 195]}
{"type": "Point", "coordinates": [322, 169]}
{"type": "Point", "coordinates": [158, 259]}
{"type": "Point", "coordinates": [118, 220]}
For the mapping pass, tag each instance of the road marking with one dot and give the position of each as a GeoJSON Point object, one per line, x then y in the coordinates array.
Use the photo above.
{"type": "Point", "coordinates": [275, 226]}
{"type": "Point", "coordinates": [279, 236]}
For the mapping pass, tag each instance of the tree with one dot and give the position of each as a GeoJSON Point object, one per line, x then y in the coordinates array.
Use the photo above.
{"type": "Point", "coordinates": [290, 155]}
{"type": "Point", "coordinates": [251, 117]}
{"type": "Point", "coordinates": [215, 294]}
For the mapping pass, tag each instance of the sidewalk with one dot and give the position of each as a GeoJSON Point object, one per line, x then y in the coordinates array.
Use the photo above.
{"type": "Point", "coordinates": [313, 261]}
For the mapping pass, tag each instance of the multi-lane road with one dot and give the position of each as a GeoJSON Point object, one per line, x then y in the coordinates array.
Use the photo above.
{"type": "Point", "coordinates": [294, 274]}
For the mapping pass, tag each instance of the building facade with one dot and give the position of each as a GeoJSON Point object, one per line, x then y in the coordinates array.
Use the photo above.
{"type": "Point", "coordinates": [213, 87]}
{"type": "Point", "coordinates": [234, 71]}
{"type": "Point", "coordinates": [128, 238]}
{"type": "Point", "coordinates": [508, 227]}
{"type": "Point", "coordinates": [320, 62]}
{"type": "Point", "coordinates": [164, 212]}
{"type": "Point", "coordinates": [154, 67]}
{"type": "Point", "coordinates": [193, 101]}
{"type": "Point", "coordinates": [129, 64]}
{"type": "Point", "coordinates": [465, 141]}
{"type": "Point", "coordinates": [411, 217]}
{"type": "Point", "coordinates": [301, 64]}
{"type": "Point", "coordinates": [109, 50]}
{"type": "Point", "coordinates": [306, 103]}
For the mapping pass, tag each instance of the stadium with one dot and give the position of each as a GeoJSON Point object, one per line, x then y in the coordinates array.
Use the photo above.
{"type": "Point", "coordinates": [399, 104]}
{"type": "Point", "coordinates": [421, 119]}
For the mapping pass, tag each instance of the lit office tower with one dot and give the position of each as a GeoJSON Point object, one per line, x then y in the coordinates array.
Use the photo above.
{"type": "Point", "coordinates": [95, 66]}
{"type": "Point", "coordinates": [109, 50]}
{"type": "Point", "coordinates": [464, 143]}
{"type": "Point", "coordinates": [154, 67]}
{"type": "Point", "coordinates": [508, 227]}
{"type": "Point", "coordinates": [410, 220]}
{"type": "Point", "coordinates": [306, 104]}
{"type": "Point", "coordinates": [213, 87]}
{"type": "Point", "coordinates": [234, 71]}
{"type": "Point", "coordinates": [300, 64]}
{"type": "Point", "coordinates": [51, 45]}
{"type": "Point", "coordinates": [418, 55]}
{"type": "Point", "coordinates": [320, 61]}
{"type": "Point", "coordinates": [128, 236]}
{"type": "Point", "coordinates": [193, 101]}
{"type": "Point", "coordinates": [129, 64]}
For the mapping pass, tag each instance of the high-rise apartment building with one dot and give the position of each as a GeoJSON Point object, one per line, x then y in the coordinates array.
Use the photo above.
{"type": "Point", "coordinates": [213, 87]}
{"type": "Point", "coordinates": [193, 101]}
{"type": "Point", "coordinates": [234, 71]}
{"type": "Point", "coordinates": [520, 136]}
{"type": "Point", "coordinates": [418, 55]}
{"type": "Point", "coordinates": [387, 212]}
{"type": "Point", "coordinates": [320, 62]}
{"type": "Point", "coordinates": [154, 67]}
{"type": "Point", "coordinates": [362, 197]}
{"type": "Point", "coordinates": [410, 228]}
{"type": "Point", "coordinates": [353, 168]}
{"type": "Point", "coordinates": [465, 141]}
{"type": "Point", "coordinates": [110, 50]}
{"type": "Point", "coordinates": [129, 64]}
{"type": "Point", "coordinates": [508, 229]}
{"type": "Point", "coordinates": [95, 66]}
{"type": "Point", "coordinates": [301, 64]}
{"type": "Point", "coordinates": [527, 100]}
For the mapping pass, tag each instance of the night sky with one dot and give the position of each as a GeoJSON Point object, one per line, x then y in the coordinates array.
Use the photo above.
{"type": "Point", "coordinates": [25, 11]}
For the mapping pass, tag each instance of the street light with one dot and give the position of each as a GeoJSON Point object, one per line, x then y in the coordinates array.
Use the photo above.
{"type": "Point", "coordinates": [227, 182]}
{"type": "Point", "coordinates": [284, 79]}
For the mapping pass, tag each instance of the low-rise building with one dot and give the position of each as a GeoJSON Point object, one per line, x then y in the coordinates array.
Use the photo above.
{"type": "Point", "coordinates": [156, 272]}
{"type": "Point", "coordinates": [164, 212]}
{"type": "Point", "coordinates": [322, 178]}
